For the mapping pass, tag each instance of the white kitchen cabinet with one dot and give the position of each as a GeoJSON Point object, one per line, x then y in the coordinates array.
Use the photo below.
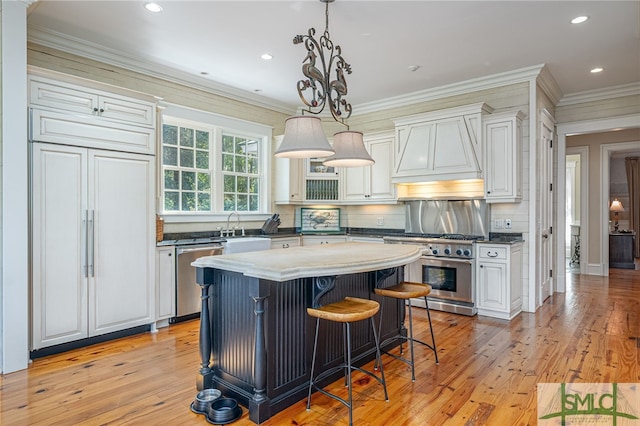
{"type": "Point", "coordinates": [69, 114]}
{"type": "Point", "coordinates": [63, 96]}
{"type": "Point", "coordinates": [288, 179]}
{"type": "Point", "coordinates": [503, 157]}
{"type": "Point", "coordinates": [499, 280]}
{"type": "Point", "coordinates": [309, 240]}
{"type": "Point", "coordinates": [439, 145]}
{"type": "Point", "coordinates": [371, 184]}
{"type": "Point", "coordinates": [285, 242]}
{"type": "Point", "coordinates": [165, 283]}
{"type": "Point", "coordinates": [93, 239]}
{"type": "Point", "coordinates": [321, 183]}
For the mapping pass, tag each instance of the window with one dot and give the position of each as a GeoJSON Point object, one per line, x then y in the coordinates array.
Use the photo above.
{"type": "Point", "coordinates": [186, 168]}
{"type": "Point", "coordinates": [209, 169]}
{"type": "Point", "coordinates": [240, 171]}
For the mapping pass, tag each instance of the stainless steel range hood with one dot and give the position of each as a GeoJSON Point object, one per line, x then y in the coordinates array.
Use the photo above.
{"type": "Point", "coordinates": [467, 217]}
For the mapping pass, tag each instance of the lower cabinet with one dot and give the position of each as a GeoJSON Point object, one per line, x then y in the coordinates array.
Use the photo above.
{"type": "Point", "coordinates": [308, 240]}
{"type": "Point", "coordinates": [499, 280]}
{"type": "Point", "coordinates": [285, 242]}
{"type": "Point", "coordinates": [165, 284]}
{"type": "Point", "coordinates": [93, 239]}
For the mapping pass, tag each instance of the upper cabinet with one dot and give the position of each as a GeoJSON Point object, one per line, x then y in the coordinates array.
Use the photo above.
{"type": "Point", "coordinates": [440, 145]}
{"type": "Point", "coordinates": [288, 173]}
{"type": "Point", "coordinates": [321, 183]}
{"type": "Point", "coordinates": [503, 157]}
{"type": "Point", "coordinates": [69, 114]}
{"type": "Point", "coordinates": [371, 184]}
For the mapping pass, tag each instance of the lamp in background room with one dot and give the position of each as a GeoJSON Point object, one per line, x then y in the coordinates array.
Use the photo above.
{"type": "Point", "coordinates": [303, 135]}
{"type": "Point", "coordinates": [616, 206]}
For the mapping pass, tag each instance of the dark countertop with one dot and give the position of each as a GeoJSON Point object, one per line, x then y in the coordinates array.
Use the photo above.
{"type": "Point", "coordinates": [213, 237]}
{"type": "Point", "coordinates": [504, 238]}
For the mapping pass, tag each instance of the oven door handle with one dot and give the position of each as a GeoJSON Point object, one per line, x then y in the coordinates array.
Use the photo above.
{"type": "Point", "coordinates": [448, 259]}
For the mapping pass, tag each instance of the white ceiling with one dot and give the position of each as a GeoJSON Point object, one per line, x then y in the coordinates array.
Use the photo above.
{"type": "Point", "coordinates": [451, 41]}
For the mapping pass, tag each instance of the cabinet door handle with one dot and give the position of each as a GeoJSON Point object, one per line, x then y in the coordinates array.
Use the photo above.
{"type": "Point", "coordinates": [495, 254]}
{"type": "Point", "coordinates": [90, 242]}
{"type": "Point", "coordinates": [85, 245]}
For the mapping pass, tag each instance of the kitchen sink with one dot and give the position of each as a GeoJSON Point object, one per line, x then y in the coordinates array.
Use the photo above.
{"type": "Point", "coordinates": [245, 244]}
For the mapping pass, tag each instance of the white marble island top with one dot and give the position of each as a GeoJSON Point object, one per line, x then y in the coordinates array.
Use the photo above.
{"type": "Point", "coordinates": [313, 261]}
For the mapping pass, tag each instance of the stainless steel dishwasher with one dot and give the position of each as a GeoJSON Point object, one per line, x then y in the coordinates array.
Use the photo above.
{"type": "Point", "coordinates": [188, 293]}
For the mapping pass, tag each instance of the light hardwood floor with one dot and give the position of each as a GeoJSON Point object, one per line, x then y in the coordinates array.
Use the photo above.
{"type": "Point", "coordinates": [487, 374]}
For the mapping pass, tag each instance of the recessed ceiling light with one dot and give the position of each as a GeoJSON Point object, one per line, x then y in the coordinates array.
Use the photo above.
{"type": "Point", "coordinates": [153, 7]}
{"type": "Point", "coordinates": [579, 19]}
{"type": "Point", "coordinates": [597, 70]}
{"type": "Point", "coordinates": [204, 73]}
{"type": "Point", "coordinates": [267, 56]}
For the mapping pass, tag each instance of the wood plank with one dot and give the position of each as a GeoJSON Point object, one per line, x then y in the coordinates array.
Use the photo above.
{"type": "Point", "coordinates": [488, 370]}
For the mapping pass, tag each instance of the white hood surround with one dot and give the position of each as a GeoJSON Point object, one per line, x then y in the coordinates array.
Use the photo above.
{"type": "Point", "coordinates": [441, 145]}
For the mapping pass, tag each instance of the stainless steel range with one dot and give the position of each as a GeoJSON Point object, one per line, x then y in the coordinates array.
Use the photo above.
{"type": "Point", "coordinates": [447, 230]}
{"type": "Point", "coordinates": [448, 266]}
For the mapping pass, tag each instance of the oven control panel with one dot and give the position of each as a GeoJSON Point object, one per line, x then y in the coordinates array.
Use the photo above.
{"type": "Point", "coordinates": [464, 251]}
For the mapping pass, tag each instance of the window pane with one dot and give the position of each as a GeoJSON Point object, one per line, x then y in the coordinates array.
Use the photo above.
{"type": "Point", "coordinates": [243, 202]}
{"type": "Point", "coordinates": [204, 181]}
{"type": "Point", "coordinates": [186, 137]}
{"type": "Point", "coordinates": [202, 159]}
{"type": "Point", "coordinates": [202, 139]}
{"type": "Point", "coordinates": [188, 181]}
{"type": "Point", "coordinates": [227, 163]}
{"type": "Point", "coordinates": [171, 180]}
{"type": "Point", "coordinates": [229, 183]}
{"type": "Point", "coordinates": [171, 200]}
{"type": "Point", "coordinates": [204, 201]}
{"type": "Point", "coordinates": [169, 134]}
{"type": "Point", "coordinates": [227, 143]}
{"type": "Point", "coordinates": [229, 202]}
{"type": "Point", "coordinates": [253, 203]}
{"type": "Point", "coordinates": [241, 146]}
{"type": "Point", "coordinates": [253, 165]}
{"type": "Point", "coordinates": [252, 148]}
{"type": "Point", "coordinates": [242, 184]}
{"type": "Point", "coordinates": [188, 201]}
{"type": "Point", "coordinates": [253, 185]}
{"type": "Point", "coordinates": [186, 158]}
{"type": "Point", "coordinates": [241, 164]}
{"type": "Point", "coordinates": [169, 156]}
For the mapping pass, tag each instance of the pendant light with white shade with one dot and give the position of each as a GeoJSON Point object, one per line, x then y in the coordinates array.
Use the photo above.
{"type": "Point", "coordinates": [350, 151]}
{"type": "Point", "coordinates": [303, 135]}
{"type": "Point", "coordinates": [304, 138]}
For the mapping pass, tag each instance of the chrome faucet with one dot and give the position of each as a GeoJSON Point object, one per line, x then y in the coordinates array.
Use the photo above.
{"type": "Point", "coordinates": [232, 232]}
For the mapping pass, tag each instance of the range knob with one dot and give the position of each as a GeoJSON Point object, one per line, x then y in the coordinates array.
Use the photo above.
{"type": "Point", "coordinates": [434, 251]}
{"type": "Point", "coordinates": [467, 252]}
{"type": "Point", "coordinates": [459, 252]}
{"type": "Point", "coordinates": [447, 251]}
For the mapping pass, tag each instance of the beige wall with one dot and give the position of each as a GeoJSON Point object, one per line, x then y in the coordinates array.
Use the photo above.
{"type": "Point", "coordinates": [594, 185]}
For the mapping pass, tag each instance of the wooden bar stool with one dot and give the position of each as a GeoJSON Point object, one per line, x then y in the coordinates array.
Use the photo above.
{"type": "Point", "coordinates": [407, 291]}
{"type": "Point", "coordinates": [349, 310]}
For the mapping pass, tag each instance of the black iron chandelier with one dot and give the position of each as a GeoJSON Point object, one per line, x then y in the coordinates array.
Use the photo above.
{"type": "Point", "coordinates": [324, 85]}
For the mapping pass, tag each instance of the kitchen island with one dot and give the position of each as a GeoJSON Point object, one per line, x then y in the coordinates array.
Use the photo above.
{"type": "Point", "coordinates": [256, 339]}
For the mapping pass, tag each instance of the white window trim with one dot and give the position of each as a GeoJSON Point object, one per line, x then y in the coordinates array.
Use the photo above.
{"type": "Point", "coordinates": [219, 124]}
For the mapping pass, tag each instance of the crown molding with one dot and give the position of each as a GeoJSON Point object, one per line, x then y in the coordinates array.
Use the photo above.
{"type": "Point", "coordinates": [459, 88]}
{"type": "Point", "coordinates": [600, 94]}
{"type": "Point", "coordinates": [147, 66]}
